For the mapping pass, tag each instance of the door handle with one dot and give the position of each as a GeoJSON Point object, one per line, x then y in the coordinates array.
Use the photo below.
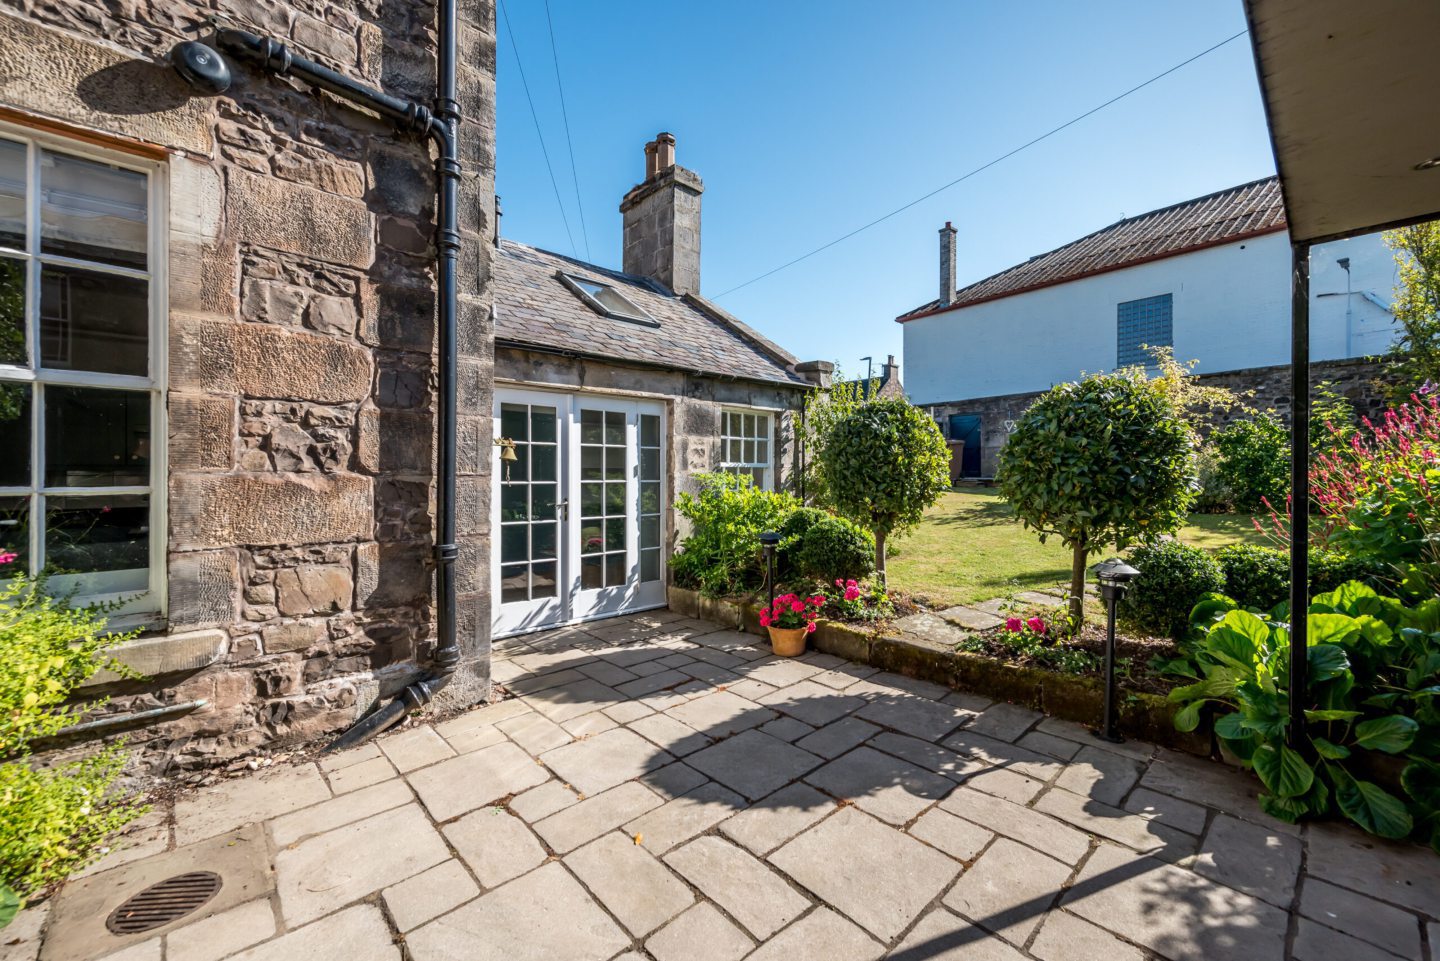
{"type": "Point", "coordinates": [564, 508]}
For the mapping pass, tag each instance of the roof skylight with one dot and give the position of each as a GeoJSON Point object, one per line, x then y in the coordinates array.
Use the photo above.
{"type": "Point", "coordinates": [606, 300]}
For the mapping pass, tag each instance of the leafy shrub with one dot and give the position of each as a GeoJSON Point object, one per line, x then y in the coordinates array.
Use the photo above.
{"type": "Point", "coordinates": [884, 463]}
{"type": "Point", "coordinates": [835, 548]}
{"type": "Point", "coordinates": [1330, 569]}
{"type": "Point", "coordinates": [1212, 496]}
{"type": "Point", "coordinates": [1254, 461]}
{"type": "Point", "coordinates": [1105, 460]}
{"type": "Point", "coordinates": [1173, 578]}
{"type": "Point", "coordinates": [1257, 577]}
{"type": "Point", "coordinates": [853, 601]}
{"type": "Point", "coordinates": [55, 817]}
{"type": "Point", "coordinates": [792, 530]}
{"type": "Point", "coordinates": [722, 554]}
{"type": "Point", "coordinates": [1373, 670]}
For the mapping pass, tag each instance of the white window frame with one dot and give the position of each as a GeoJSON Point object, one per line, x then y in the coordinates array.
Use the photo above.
{"type": "Point", "coordinates": [732, 465]}
{"type": "Point", "coordinates": [574, 281]}
{"type": "Point", "coordinates": [136, 609]}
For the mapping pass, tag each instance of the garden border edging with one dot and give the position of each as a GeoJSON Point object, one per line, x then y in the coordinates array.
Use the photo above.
{"type": "Point", "coordinates": [1143, 716]}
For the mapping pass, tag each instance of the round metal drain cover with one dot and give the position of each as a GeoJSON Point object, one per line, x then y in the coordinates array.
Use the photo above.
{"type": "Point", "coordinates": [161, 903]}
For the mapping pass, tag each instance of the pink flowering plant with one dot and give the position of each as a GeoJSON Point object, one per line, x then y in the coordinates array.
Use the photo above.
{"type": "Point", "coordinates": [791, 611]}
{"type": "Point", "coordinates": [854, 601]}
{"type": "Point", "coordinates": [1029, 629]}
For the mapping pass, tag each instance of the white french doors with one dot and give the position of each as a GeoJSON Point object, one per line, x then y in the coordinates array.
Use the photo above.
{"type": "Point", "coordinates": [579, 513]}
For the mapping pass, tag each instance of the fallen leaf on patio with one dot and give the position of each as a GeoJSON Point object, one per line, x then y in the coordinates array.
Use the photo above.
{"type": "Point", "coordinates": [639, 838]}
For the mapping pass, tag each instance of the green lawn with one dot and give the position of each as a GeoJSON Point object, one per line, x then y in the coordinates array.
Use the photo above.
{"type": "Point", "coordinates": [971, 548]}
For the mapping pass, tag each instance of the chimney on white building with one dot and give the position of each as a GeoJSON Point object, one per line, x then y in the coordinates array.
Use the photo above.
{"type": "Point", "coordinates": [662, 221]}
{"type": "Point", "coordinates": [948, 280]}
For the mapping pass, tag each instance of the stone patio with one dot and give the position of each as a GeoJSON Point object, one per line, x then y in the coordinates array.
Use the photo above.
{"type": "Point", "coordinates": [663, 788]}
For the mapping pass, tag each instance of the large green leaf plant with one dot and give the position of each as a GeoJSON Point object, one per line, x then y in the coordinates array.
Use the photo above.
{"type": "Point", "coordinates": [1374, 674]}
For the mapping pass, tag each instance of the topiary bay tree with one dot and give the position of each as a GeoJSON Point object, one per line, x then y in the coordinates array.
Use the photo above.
{"type": "Point", "coordinates": [1105, 460]}
{"type": "Point", "coordinates": [884, 463]}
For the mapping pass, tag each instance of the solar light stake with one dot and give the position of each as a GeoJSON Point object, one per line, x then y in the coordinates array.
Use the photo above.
{"type": "Point", "coordinates": [768, 542]}
{"type": "Point", "coordinates": [1114, 576]}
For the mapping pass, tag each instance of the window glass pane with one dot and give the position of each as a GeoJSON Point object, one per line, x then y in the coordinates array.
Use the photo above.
{"type": "Point", "coordinates": [544, 582]}
{"type": "Point", "coordinates": [649, 464]}
{"type": "Point", "coordinates": [616, 570]}
{"type": "Point", "coordinates": [649, 430]}
{"type": "Point", "coordinates": [85, 535]}
{"type": "Point", "coordinates": [733, 454]}
{"type": "Point", "coordinates": [592, 572]}
{"type": "Point", "coordinates": [93, 321]}
{"type": "Point", "coordinates": [542, 501]}
{"type": "Point", "coordinates": [591, 499]}
{"type": "Point", "coordinates": [513, 421]}
{"type": "Point", "coordinates": [615, 499]}
{"type": "Point", "coordinates": [542, 540]}
{"type": "Point", "coordinates": [614, 427]}
{"type": "Point", "coordinates": [748, 452]}
{"type": "Point", "coordinates": [543, 462]}
{"type": "Point", "coordinates": [590, 539]}
{"type": "Point", "coordinates": [514, 543]}
{"type": "Point", "coordinates": [650, 498]}
{"type": "Point", "coordinates": [615, 534]}
{"type": "Point", "coordinates": [650, 565]}
{"type": "Point", "coordinates": [590, 429]}
{"type": "Point", "coordinates": [519, 468]}
{"type": "Point", "coordinates": [615, 463]}
{"type": "Point", "coordinates": [92, 211]}
{"type": "Point", "coordinates": [14, 435]}
{"type": "Point", "coordinates": [12, 194]}
{"type": "Point", "coordinates": [12, 312]}
{"type": "Point", "coordinates": [542, 425]}
{"type": "Point", "coordinates": [514, 502]}
{"type": "Point", "coordinates": [592, 460]}
{"type": "Point", "coordinates": [514, 583]}
{"type": "Point", "coordinates": [96, 438]}
{"type": "Point", "coordinates": [762, 426]}
{"type": "Point", "coordinates": [14, 536]}
{"type": "Point", "coordinates": [649, 532]}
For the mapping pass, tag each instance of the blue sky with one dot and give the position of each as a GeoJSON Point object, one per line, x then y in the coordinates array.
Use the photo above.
{"type": "Point", "coordinates": [808, 119]}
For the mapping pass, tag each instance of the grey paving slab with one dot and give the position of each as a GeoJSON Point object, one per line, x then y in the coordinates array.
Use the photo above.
{"type": "Point", "coordinates": [744, 887]}
{"type": "Point", "coordinates": [1020, 823]}
{"type": "Point", "coordinates": [773, 820]}
{"type": "Point", "coordinates": [878, 877]}
{"type": "Point", "coordinates": [534, 732]}
{"type": "Point", "coordinates": [594, 816]}
{"type": "Point", "coordinates": [1200, 781]}
{"type": "Point", "coordinates": [1403, 874]}
{"type": "Point", "coordinates": [752, 763]}
{"type": "Point", "coordinates": [415, 748]}
{"type": "Point", "coordinates": [910, 685]}
{"type": "Point", "coordinates": [429, 894]}
{"type": "Point", "coordinates": [822, 935]}
{"type": "Point", "coordinates": [149, 950]}
{"type": "Point", "coordinates": [1064, 937]}
{"type": "Point", "coordinates": [1043, 743]}
{"type": "Point", "coordinates": [654, 683]}
{"type": "Point", "coordinates": [666, 732]}
{"type": "Point", "coordinates": [1315, 942]}
{"type": "Point", "coordinates": [355, 934]}
{"type": "Point", "coordinates": [926, 754]}
{"type": "Point", "coordinates": [223, 934]}
{"type": "Point", "coordinates": [955, 836]}
{"type": "Point", "coordinates": [837, 737]}
{"type": "Point", "coordinates": [607, 673]}
{"type": "Point", "coordinates": [779, 672]}
{"type": "Point", "coordinates": [1006, 784]}
{"type": "Point", "coordinates": [473, 739]}
{"type": "Point", "coordinates": [327, 872]}
{"type": "Point", "coordinates": [944, 936]}
{"type": "Point", "coordinates": [233, 804]}
{"type": "Point", "coordinates": [1007, 722]}
{"type": "Point", "coordinates": [1360, 917]}
{"type": "Point", "coordinates": [1002, 754]}
{"type": "Point", "coordinates": [588, 725]}
{"type": "Point", "coordinates": [913, 715]}
{"type": "Point", "coordinates": [880, 784]}
{"type": "Point", "coordinates": [1104, 821]}
{"type": "Point", "coordinates": [1167, 810]}
{"type": "Point", "coordinates": [682, 818]}
{"type": "Point", "coordinates": [639, 890]}
{"type": "Point", "coordinates": [464, 783]}
{"type": "Point", "coordinates": [700, 934]}
{"type": "Point", "coordinates": [815, 704]}
{"type": "Point", "coordinates": [1250, 858]}
{"type": "Point", "coordinates": [1009, 890]}
{"type": "Point", "coordinates": [331, 814]}
{"type": "Point", "coordinates": [1100, 775]}
{"type": "Point", "coordinates": [495, 844]}
{"type": "Point", "coordinates": [720, 714]}
{"type": "Point", "coordinates": [674, 780]}
{"type": "Point", "coordinates": [571, 700]}
{"type": "Point", "coordinates": [971, 619]}
{"type": "Point", "coordinates": [1175, 913]}
{"type": "Point", "coordinates": [544, 800]}
{"type": "Point", "coordinates": [544, 916]}
{"type": "Point", "coordinates": [361, 775]}
{"type": "Point", "coordinates": [787, 729]}
{"type": "Point", "coordinates": [597, 763]}
{"type": "Point", "coordinates": [627, 711]}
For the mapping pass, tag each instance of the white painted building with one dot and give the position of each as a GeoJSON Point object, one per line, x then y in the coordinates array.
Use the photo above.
{"type": "Point", "coordinates": [1209, 277]}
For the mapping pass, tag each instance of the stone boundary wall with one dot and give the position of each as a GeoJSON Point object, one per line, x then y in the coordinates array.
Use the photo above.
{"type": "Point", "coordinates": [300, 389]}
{"type": "Point", "coordinates": [1359, 379]}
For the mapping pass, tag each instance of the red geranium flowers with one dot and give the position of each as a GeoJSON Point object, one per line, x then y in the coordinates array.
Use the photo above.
{"type": "Point", "coordinates": [791, 611]}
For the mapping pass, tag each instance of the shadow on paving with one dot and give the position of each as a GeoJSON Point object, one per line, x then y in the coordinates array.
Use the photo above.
{"type": "Point", "coordinates": [874, 748]}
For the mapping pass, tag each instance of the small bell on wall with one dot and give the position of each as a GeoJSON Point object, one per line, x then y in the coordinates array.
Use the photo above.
{"type": "Point", "coordinates": [507, 454]}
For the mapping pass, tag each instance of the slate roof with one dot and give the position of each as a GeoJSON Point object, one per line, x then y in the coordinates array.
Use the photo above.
{"type": "Point", "coordinates": [533, 307]}
{"type": "Point", "coordinates": [1222, 217]}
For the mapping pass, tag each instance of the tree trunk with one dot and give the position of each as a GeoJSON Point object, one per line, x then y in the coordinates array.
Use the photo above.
{"type": "Point", "coordinates": [1077, 586]}
{"type": "Point", "coordinates": [880, 557]}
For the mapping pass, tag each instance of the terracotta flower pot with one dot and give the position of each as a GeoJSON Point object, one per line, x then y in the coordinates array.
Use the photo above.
{"type": "Point", "coordinates": [787, 641]}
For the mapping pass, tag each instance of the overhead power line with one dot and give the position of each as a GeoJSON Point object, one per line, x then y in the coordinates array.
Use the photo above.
{"type": "Point", "coordinates": [570, 144]}
{"type": "Point", "coordinates": [985, 166]}
{"type": "Point", "coordinates": [536, 117]}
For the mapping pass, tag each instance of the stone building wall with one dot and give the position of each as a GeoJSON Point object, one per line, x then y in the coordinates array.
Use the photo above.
{"type": "Point", "coordinates": [1358, 379]}
{"type": "Point", "coordinates": [301, 382]}
{"type": "Point", "coordinates": [694, 405]}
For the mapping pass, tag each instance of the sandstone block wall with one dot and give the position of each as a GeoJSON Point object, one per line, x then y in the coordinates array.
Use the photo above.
{"type": "Point", "coordinates": [300, 390]}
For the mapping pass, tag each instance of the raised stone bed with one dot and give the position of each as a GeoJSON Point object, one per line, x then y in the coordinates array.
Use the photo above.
{"type": "Point", "coordinates": [920, 655]}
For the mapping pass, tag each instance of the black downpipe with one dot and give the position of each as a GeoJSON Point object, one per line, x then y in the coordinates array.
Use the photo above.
{"type": "Point", "coordinates": [441, 127]}
{"type": "Point", "coordinates": [1299, 488]}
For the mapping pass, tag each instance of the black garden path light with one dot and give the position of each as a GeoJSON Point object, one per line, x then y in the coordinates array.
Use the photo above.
{"type": "Point", "coordinates": [769, 542]}
{"type": "Point", "coordinates": [1114, 576]}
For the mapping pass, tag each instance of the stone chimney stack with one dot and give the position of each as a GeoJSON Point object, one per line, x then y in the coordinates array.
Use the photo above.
{"type": "Point", "coordinates": [662, 220]}
{"type": "Point", "coordinates": [890, 373]}
{"type": "Point", "coordinates": [948, 280]}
